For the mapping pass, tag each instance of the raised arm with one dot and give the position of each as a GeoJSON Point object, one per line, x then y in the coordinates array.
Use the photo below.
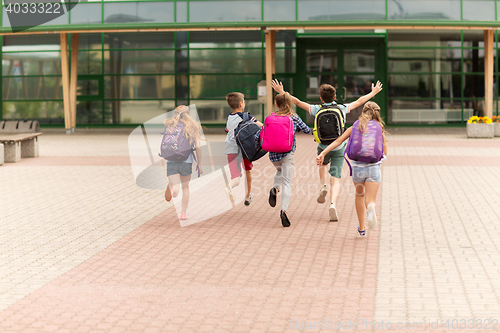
{"type": "Point", "coordinates": [363, 99]}
{"type": "Point", "coordinates": [333, 145]}
{"type": "Point", "coordinates": [278, 87]}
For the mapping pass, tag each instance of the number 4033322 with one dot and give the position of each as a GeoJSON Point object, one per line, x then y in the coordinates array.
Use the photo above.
{"type": "Point", "coordinates": [486, 324]}
{"type": "Point", "coordinates": [33, 8]}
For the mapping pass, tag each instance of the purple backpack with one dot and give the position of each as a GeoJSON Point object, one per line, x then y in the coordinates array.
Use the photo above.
{"type": "Point", "coordinates": [366, 146]}
{"type": "Point", "coordinates": [174, 145]}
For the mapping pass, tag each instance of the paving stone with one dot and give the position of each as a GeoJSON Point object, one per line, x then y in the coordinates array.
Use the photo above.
{"type": "Point", "coordinates": [85, 249]}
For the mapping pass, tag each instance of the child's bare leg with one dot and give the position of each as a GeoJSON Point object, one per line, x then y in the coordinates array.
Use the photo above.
{"type": "Point", "coordinates": [323, 171]}
{"type": "Point", "coordinates": [173, 187]}
{"type": "Point", "coordinates": [360, 204]}
{"type": "Point", "coordinates": [371, 189]}
{"type": "Point", "coordinates": [185, 193]}
{"type": "Point", "coordinates": [334, 189]}
{"type": "Point", "coordinates": [249, 182]}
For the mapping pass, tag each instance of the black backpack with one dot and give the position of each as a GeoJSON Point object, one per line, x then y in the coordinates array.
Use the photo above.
{"type": "Point", "coordinates": [329, 124]}
{"type": "Point", "coordinates": [244, 135]}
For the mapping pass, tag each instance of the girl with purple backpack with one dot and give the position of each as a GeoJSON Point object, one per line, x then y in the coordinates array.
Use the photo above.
{"type": "Point", "coordinates": [182, 129]}
{"type": "Point", "coordinates": [276, 138]}
{"type": "Point", "coordinates": [366, 149]}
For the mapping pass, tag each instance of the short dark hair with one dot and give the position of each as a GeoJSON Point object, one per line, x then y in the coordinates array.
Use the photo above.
{"type": "Point", "coordinates": [327, 93]}
{"type": "Point", "coordinates": [234, 99]}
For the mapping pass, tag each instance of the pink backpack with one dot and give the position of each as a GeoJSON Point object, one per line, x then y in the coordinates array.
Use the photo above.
{"type": "Point", "coordinates": [277, 133]}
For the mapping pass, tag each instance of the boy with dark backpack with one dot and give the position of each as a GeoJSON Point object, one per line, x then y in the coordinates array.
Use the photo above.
{"type": "Point", "coordinates": [330, 116]}
{"type": "Point", "coordinates": [236, 101]}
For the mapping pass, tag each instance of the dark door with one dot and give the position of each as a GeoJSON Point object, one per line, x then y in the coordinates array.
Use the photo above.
{"type": "Point", "coordinates": [89, 97]}
{"type": "Point", "coordinates": [350, 65]}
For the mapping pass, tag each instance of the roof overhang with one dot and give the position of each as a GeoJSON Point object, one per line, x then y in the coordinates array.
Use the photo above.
{"type": "Point", "coordinates": [235, 26]}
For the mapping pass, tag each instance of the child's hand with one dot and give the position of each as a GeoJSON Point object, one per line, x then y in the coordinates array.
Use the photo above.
{"type": "Point", "coordinates": [319, 159]}
{"type": "Point", "coordinates": [198, 168]}
{"type": "Point", "coordinates": [277, 86]}
{"type": "Point", "coordinates": [377, 88]}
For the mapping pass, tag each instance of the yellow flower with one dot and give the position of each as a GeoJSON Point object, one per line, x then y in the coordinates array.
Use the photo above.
{"type": "Point", "coordinates": [474, 119]}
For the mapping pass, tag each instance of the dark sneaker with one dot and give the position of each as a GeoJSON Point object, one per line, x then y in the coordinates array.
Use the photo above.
{"type": "Point", "coordinates": [248, 200]}
{"type": "Point", "coordinates": [284, 219]}
{"type": "Point", "coordinates": [272, 197]}
{"type": "Point", "coordinates": [362, 233]}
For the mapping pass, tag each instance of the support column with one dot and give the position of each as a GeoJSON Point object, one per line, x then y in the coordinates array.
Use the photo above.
{"type": "Point", "coordinates": [270, 39]}
{"type": "Point", "coordinates": [73, 79]}
{"type": "Point", "coordinates": [488, 73]}
{"type": "Point", "coordinates": [65, 82]}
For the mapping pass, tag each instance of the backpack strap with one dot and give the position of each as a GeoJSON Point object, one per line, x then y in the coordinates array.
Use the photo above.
{"type": "Point", "coordinates": [246, 116]}
{"type": "Point", "coordinates": [193, 149]}
{"type": "Point", "coordinates": [349, 164]}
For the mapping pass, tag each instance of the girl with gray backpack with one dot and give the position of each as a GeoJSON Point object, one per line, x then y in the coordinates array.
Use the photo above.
{"type": "Point", "coordinates": [366, 149]}
{"type": "Point", "coordinates": [181, 139]}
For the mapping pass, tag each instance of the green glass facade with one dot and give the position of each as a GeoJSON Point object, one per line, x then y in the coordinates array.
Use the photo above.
{"type": "Point", "coordinates": [429, 76]}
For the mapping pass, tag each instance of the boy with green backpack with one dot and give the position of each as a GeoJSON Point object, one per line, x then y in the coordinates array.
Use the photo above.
{"type": "Point", "coordinates": [329, 125]}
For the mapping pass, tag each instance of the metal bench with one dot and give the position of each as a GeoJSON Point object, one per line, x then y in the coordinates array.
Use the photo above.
{"type": "Point", "coordinates": [17, 146]}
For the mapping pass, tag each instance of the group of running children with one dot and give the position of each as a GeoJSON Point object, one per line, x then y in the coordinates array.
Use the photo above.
{"type": "Point", "coordinates": [366, 149]}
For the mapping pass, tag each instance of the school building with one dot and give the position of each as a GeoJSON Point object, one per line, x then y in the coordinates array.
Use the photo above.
{"type": "Point", "coordinates": [120, 63]}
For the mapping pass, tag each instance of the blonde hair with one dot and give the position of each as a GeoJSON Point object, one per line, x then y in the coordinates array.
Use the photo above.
{"type": "Point", "coordinates": [371, 111]}
{"type": "Point", "coordinates": [284, 104]}
{"type": "Point", "coordinates": [192, 130]}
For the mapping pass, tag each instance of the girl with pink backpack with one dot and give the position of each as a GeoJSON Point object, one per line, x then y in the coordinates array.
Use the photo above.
{"type": "Point", "coordinates": [366, 149]}
{"type": "Point", "coordinates": [277, 137]}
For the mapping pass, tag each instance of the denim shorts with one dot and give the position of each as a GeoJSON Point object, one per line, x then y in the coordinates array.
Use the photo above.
{"type": "Point", "coordinates": [369, 173]}
{"type": "Point", "coordinates": [181, 168]}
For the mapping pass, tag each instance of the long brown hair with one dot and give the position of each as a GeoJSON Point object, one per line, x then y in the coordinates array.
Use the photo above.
{"type": "Point", "coordinates": [192, 130]}
{"type": "Point", "coordinates": [371, 110]}
{"type": "Point", "coordinates": [284, 104]}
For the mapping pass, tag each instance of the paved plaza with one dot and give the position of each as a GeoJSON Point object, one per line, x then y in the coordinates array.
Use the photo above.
{"type": "Point", "coordinates": [84, 249]}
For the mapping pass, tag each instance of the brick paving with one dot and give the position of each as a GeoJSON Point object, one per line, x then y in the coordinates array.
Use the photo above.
{"type": "Point", "coordinates": [84, 249]}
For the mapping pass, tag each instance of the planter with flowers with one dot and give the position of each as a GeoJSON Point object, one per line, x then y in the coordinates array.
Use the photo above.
{"type": "Point", "coordinates": [480, 127]}
{"type": "Point", "coordinates": [496, 124]}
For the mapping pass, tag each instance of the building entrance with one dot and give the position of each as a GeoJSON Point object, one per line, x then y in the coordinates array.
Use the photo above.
{"type": "Point", "coordinates": [348, 64]}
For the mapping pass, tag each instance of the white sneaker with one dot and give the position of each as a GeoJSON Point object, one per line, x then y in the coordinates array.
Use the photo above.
{"type": "Point", "coordinates": [372, 217]}
{"type": "Point", "coordinates": [248, 200]}
{"type": "Point", "coordinates": [333, 213]}
{"type": "Point", "coordinates": [322, 195]}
